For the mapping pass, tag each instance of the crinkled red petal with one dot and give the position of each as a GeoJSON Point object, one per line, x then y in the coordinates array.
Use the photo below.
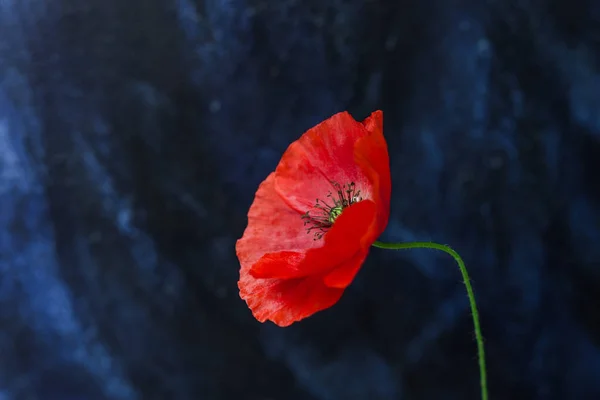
{"type": "Point", "coordinates": [285, 301]}
{"type": "Point", "coordinates": [342, 276]}
{"type": "Point", "coordinates": [324, 154]}
{"type": "Point", "coordinates": [371, 155]}
{"type": "Point", "coordinates": [272, 227]}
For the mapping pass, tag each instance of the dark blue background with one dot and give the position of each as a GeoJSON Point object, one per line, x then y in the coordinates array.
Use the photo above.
{"type": "Point", "coordinates": [134, 133]}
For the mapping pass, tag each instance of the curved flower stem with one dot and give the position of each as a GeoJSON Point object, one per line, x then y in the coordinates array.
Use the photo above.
{"type": "Point", "coordinates": [467, 281]}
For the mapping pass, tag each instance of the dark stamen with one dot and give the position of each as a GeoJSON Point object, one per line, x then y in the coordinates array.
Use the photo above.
{"type": "Point", "coordinates": [323, 215]}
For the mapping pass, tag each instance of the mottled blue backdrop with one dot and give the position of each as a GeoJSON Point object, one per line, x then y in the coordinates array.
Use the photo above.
{"type": "Point", "coordinates": [134, 133]}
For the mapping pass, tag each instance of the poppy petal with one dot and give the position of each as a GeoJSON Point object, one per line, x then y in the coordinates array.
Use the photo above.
{"type": "Point", "coordinates": [342, 276]}
{"type": "Point", "coordinates": [374, 124]}
{"type": "Point", "coordinates": [371, 154]}
{"type": "Point", "coordinates": [373, 147]}
{"type": "Point", "coordinates": [324, 154]}
{"type": "Point", "coordinates": [285, 301]}
{"type": "Point", "coordinates": [281, 265]}
{"type": "Point", "coordinates": [298, 181]}
{"type": "Point", "coordinates": [272, 227]}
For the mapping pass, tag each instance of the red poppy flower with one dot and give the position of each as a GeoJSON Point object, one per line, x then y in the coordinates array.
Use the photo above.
{"type": "Point", "coordinates": [314, 219]}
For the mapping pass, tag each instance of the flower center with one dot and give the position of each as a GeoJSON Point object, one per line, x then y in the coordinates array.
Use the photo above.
{"type": "Point", "coordinates": [324, 213]}
{"type": "Point", "coordinates": [334, 213]}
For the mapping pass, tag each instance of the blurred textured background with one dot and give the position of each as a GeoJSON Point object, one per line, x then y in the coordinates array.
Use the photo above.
{"type": "Point", "coordinates": [133, 135]}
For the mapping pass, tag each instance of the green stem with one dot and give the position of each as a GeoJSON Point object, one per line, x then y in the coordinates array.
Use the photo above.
{"type": "Point", "coordinates": [467, 281]}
